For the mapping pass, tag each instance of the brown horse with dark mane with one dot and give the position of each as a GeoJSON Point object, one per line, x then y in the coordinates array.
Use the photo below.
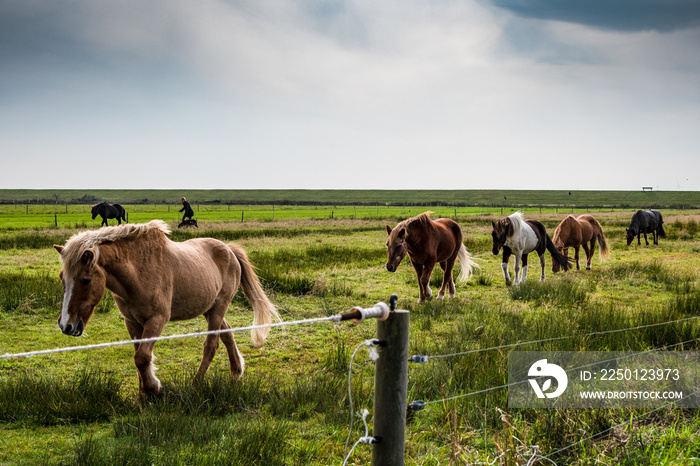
{"type": "Point", "coordinates": [154, 280]}
{"type": "Point", "coordinates": [427, 243]}
{"type": "Point", "coordinates": [582, 231]}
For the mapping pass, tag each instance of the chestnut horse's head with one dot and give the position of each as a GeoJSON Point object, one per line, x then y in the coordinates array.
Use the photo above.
{"type": "Point", "coordinates": [84, 285]}
{"type": "Point", "coordinates": [396, 245]}
{"type": "Point", "coordinates": [501, 230]}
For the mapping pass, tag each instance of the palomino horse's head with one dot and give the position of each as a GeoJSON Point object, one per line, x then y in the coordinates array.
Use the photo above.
{"type": "Point", "coordinates": [83, 287]}
{"type": "Point", "coordinates": [396, 245]}
{"type": "Point", "coordinates": [501, 230]}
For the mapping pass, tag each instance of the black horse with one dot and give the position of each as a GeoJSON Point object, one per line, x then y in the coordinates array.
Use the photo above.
{"type": "Point", "coordinates": [106, 210]}
{"type": "Point", "coordinates": [643, 222]}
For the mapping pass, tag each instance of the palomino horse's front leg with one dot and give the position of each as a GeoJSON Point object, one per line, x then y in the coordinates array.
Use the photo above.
{"type": "Point", "coordinates": [143, 354]}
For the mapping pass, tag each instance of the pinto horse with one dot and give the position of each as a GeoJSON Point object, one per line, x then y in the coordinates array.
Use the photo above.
{"type": "Point", "coordinates": [644, 222]}
{"type": "Point", "coordinates": [155, 280]}
{"type": "Point", "coordinates": [582, 231]}
{"type": "Point", "coordinates": [427, 243]}
{"type": "Point", "coordinates": [521, 237]}
{"type": "Point", "coordinates": [106, 210]}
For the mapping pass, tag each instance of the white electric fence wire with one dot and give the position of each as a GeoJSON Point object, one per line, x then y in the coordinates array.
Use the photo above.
{"type": "Point", "coordinates": [544, 340]}
{"type": "Point", "coordinates": [464, 395]}
{"type": "Point", "coordinates": [335, 318]}
{"type": "Point", "coordinates": [369, 344]}
{"type": "Point", "coordinates": [630, 421]}
{"type": "Point", "coordinates": [366, 439]}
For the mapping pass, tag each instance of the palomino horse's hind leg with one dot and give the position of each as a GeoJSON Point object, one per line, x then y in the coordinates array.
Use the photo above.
{"type": "Point", "coordinates": [211, 342]}
{"type": "Point", "coordinates": [234, 356]}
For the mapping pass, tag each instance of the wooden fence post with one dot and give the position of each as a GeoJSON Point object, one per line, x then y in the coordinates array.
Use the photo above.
{"type": "Point", "coordinates": [390, 382]}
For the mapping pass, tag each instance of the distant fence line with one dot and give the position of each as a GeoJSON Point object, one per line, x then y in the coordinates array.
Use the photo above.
{"type": "Point", "coordinates": [326, 204]}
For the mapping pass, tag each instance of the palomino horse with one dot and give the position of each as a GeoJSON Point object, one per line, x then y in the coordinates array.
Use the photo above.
{"type": "Point", "coordinates": [155, 280]}
{"type": "Point", "coordinates": [580, 232]}
{"type": "Point", "coordinates": [427, 243]}
{"type": "Point", "coordinates": [644, 222]}
{"type": "Point", "coordinates": [521, 237]}
{"type": "Point", "coordinates": [106, 210]}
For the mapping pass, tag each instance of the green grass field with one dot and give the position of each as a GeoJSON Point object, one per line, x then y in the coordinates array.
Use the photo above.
{"type": "Point", "coordinates": [291, 407]}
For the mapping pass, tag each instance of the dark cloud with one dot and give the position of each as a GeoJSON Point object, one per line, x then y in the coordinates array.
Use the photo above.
{"type": "Point", "coordinates": [618, 15]}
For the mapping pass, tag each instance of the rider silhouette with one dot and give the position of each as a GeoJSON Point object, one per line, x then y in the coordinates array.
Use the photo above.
{"type": "Point", "coordinates": [189, 213]}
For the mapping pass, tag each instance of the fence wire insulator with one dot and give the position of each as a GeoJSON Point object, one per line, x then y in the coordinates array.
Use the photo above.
{"type": "Point", "coordinates": [417, 405]}
{"type": "Point", "coordinates": [379, 311]}
{"type": "Point", "coordinates": [368, 440]}
{"type": "Point", "coordinates": [418, 358]}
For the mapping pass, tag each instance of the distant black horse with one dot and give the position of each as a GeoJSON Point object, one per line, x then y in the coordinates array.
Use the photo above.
{"type": "Point", "coordinates": [106, 210]}
{"type": "Point", "coordinates": [644, 222]}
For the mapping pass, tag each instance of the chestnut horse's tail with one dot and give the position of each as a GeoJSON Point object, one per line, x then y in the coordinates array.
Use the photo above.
{"type": "Point", "coordinates": [264, 312]}
{"type": "Point", "coordinates": [467, 264]}
{"type": "Point", "coordinates": [602, 240]}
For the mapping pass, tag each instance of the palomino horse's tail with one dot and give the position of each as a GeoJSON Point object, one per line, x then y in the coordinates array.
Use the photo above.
{"type": "Point", "coordinates": [467, 264]}
{"type": "Point", "coordinates": [557, 257]}
{"type": "Point", "coordinates": [264, 312]}
{"type": "Point", "coordinates": [602, 240]}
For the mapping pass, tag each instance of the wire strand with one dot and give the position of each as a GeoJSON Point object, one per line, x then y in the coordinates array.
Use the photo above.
{"type": "Point", "coordinates": [464, 395]}
{"type": "Point", "coordinates": [335, 318]}
{"type": "Point", "coordinates": [512, 345]}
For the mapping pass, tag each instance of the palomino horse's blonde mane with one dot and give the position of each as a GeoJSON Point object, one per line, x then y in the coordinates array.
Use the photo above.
{"type": "Point", "coordinates": [91, 239]}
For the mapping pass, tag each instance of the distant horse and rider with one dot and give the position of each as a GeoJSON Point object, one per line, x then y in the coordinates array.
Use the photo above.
{"type": "Point", "coordinates": [520, 237]}
{"type": "Point", "coordinates": [428, 242]}
{"type": "Point", "coordinates": [107, 210]}
{"type": "Point", "coordinates": [155, 280]}
{"type": "Point", "coordinates": [582, 231]}
{"type": "Point", "coordinates": [643, 222]}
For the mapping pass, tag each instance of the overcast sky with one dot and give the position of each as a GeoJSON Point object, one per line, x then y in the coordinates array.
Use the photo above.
{"type": "Point", "coordinates": [385, 94]}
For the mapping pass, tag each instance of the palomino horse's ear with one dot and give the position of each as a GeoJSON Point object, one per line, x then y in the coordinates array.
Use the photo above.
{"type": "Point", "coordinates": [87, 256]}
{"type": "Point", "coordinates": [58, 248]}
{"type": "Point", "coordinates": [402, 233]}
{"type": "Point", "coordinates": [388, 230]}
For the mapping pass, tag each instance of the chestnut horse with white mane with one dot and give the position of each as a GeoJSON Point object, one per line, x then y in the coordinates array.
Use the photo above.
{"type": "Point", "coordinates": [582, 231]}
{"type": "Point", "coordinates": [155, 280]}
{"type": "Point", "coordinates": [427, 243]}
